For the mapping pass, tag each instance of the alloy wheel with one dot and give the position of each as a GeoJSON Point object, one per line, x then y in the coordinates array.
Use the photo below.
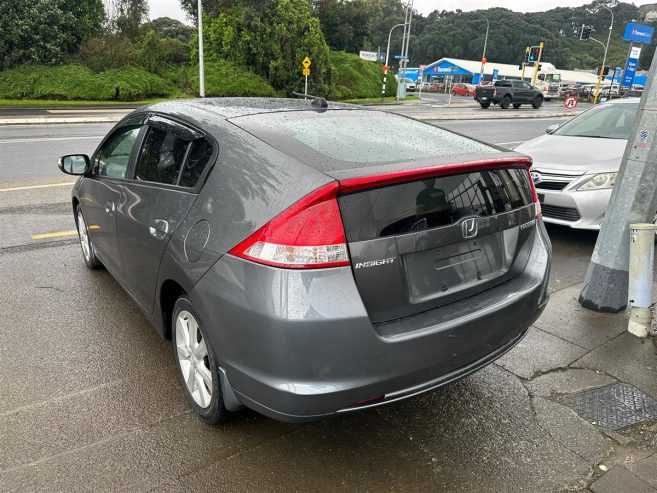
{"type": "Point", "coordinates": [193, 358]}
{"type": "Point", "coordinates": [84, 237]}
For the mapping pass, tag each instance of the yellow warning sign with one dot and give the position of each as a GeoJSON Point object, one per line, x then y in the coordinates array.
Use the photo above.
{"type": "Point", "coordinates": [306, 72]}
{"type": "Point", "coordinates": [306, 63]}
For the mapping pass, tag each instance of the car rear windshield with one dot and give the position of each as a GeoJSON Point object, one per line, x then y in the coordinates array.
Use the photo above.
{"type": "Point", "coordinates": [426, 204]}
{"type": "Point", "coordinates": [605, 121]}
{"type": "Point", "coordinates": [343, 139]}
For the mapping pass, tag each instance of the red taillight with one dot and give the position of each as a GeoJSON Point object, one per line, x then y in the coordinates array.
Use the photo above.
{"type": "Point", "coordinates": [307, 235]}
{"type": "Point", "coordinates": [537, 203]}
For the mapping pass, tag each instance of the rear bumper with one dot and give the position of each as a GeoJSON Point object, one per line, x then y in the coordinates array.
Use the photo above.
{"type": "Point", "coordinates": [298, 345]}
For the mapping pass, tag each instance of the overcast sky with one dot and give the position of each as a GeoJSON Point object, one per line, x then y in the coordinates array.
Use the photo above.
{"type": "Point", "coordinates": [171, 8]}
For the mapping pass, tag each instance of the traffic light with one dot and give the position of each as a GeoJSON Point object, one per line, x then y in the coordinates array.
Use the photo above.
{"type": "Point", "coordinates": [534, 53]}
{"type": "Point", "coordinates": [605, 70]}
{"type": "Point", "coordinates": [539, 67]}
{"type": "Point", "coordinates": [585, 32]}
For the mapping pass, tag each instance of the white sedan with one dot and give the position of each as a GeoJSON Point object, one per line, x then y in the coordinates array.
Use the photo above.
{"type": "Point", "coordinates": [575, 164]}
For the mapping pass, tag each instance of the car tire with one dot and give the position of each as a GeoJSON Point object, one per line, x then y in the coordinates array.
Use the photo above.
{"type": "Point", "coordinates": [516, 106]}
{"type": "Point", "coordinates": [537, 103]}
{"type": "Point", "coordinates": [506, 102]}
{"type": "Point", "coordinates": [453, 93]}
{"type": "Point", "coordinates": [88, 250]}
{"type": "Point", "coordinates": [485, 105]}
{"type": "Point", "coordinates": [197, 364]}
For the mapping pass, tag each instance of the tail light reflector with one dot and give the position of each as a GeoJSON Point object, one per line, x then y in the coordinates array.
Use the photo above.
{"type": "Point", "coordinates": [307, 235]}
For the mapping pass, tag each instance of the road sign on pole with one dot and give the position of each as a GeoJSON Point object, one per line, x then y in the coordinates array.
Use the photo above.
{"type": "Point", "coordinates": [306, 72]}
{"type": "Point", "coordinates": [570, 102]}
{"type": "Point", "coordinates": [633, 200]}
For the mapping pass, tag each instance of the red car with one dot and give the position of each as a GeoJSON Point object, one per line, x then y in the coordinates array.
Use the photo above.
{"type": "Point", "coordinates": [463, 89]}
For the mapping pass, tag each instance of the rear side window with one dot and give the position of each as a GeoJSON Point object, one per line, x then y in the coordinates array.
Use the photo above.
{"type": "Point", "coordinates": [198, 158]}
{"type": "Point", "coordinates": [161, 157]}
{"type": "Point", "coordinates": [421, 205]}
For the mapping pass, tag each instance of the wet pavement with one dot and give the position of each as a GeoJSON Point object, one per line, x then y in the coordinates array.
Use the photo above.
{"type": "Point", "coordinates": [91, 400]}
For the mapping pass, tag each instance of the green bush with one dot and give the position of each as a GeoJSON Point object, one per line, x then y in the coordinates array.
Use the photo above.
{"type": "Point", "coordinates": [107, 52]}
{"type": "Point", "coordinates": [356, 78]}
{"type": "Point", "coordinates": [70, 82]}
{"type": "Point", "coordinates": [224, 78]}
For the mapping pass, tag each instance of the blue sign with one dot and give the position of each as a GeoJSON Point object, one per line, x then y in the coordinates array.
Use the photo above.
{"type": "Point", "coordinates": [630, 68]}
{"type": "Point", "coordinates": [401, 57]}
{"type": "Point", "coordinates": [382, 57]}
{"type": "Point", "coordinates": [495, 73]}
{"type": "Point", "coordinates": [638, 33]}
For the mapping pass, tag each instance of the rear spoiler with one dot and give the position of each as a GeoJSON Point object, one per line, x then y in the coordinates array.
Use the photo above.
{"type": "Point", "coordinates": [348, 185]}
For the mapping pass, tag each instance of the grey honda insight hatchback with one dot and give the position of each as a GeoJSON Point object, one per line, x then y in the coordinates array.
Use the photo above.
{"type": "Point", "coordinates": [310, 259]}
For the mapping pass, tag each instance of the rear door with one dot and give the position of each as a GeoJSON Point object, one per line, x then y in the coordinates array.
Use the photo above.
{"type": "Point", "coordinates": [419, 245]}
{"type": "Point", "coordinates": [521, 92]}
{"type": "Point", "coordinates": [168, 172]}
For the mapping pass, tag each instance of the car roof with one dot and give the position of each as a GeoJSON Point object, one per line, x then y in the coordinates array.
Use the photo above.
{"type": "Point", "coordinates": [233, 107]}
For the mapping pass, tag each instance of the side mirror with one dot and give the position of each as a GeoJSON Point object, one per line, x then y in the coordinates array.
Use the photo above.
{"type": "Point", "coordinates": [74, 164]}
{"type": "Point", "coordinates": [551, 128]}
{"type": "Point", "coordinates": [541, 77]}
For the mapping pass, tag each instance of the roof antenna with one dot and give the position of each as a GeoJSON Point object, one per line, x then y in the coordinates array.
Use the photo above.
{"type": "Point", "coordinates": [317, 101]}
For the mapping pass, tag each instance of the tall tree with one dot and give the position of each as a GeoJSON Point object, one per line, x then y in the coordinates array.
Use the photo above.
{"type": "Point", "coordinates": [45, 31]}
{"type": "Point", "coordinates": [253, 34]}
{"type": "Point", "coordinates": [130, 14]}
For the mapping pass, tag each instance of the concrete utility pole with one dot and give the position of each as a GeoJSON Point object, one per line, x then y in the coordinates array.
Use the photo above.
{"type": "Point", "coordinates": [406, 38]}
{"type": "Point", "coordinates": [201, 72]}
{"type": "Point", "coordinates": [633, 200]}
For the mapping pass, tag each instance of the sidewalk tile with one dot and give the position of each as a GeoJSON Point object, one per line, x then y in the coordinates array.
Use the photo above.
{"type": "Point", "coordinates": [540, 352]}
{"type": "Point", "coordinates": [620, 480]}
{"type": "Point", "coordinates": [646, 469]}
{"type": "Point", "coordinates": [630, 359]}
{"type": "Point", "coordinates": [571, 431]}
{"type": "Point", "coordinates": [566, 318]}
{"type": "Point", "coordinates": [567, 382]}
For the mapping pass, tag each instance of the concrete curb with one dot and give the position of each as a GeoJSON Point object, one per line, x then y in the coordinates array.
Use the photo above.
{"type": "Point", "coordinates": [495, 116]}
{"type": "Point", "coordinates": [56, 121]}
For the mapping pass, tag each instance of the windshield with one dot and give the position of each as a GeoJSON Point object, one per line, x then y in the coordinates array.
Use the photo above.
{"type": "Point", "coordinates": [409, 81]}
{"type": "Point", "coordinates": [553, 78]}
{"type": "Point", "coordinates": [606, 121]}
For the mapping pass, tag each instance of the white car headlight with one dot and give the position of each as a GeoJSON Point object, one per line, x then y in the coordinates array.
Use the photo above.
{"type": "Point", "coordinates": [601, 180]}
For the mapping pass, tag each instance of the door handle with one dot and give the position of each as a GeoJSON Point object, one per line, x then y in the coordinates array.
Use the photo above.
{"type": "Point", "coordinates": [159, 228]}
{"type": "Point", "coordinates": [110, 207]}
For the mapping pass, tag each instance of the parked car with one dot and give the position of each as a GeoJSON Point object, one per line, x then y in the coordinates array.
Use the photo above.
{"type": "Point", "coordinates": [461, 89]}
{"type": "Point", "coordinates": [633, 93]}
{"type": "Point", "coordinates": [308, 259]}
{"type": "Point", "coordinates": [575, 164]}
{"type": "Point", "coordinates": [507, 93]}
{"type": "Point", "coordinates": [410, 85]}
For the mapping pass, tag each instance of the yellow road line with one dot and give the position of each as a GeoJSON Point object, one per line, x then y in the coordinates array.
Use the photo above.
{"type": "Point", "coordinates": [58, 234]}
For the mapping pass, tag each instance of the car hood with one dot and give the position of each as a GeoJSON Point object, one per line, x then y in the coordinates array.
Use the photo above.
{"type": "Point", "coordinates": [574, 155]}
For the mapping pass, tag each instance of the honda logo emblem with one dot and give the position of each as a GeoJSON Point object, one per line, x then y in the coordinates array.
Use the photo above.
{"type": "Point", "coordinates": [469, 227]}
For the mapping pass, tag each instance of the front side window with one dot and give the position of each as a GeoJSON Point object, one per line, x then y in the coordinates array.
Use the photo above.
{"type": "Point", "coordinates": [114, 155]}
{"type": "Point", "coordinates": [161, 158]}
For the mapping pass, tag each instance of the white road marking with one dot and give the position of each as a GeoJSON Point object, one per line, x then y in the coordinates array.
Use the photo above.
{"type": "Point", "coordinates": [49, 139]}
{"type": "Point", "coordinates": [32, 187]}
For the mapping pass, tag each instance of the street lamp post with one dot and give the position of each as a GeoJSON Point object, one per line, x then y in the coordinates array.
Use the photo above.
{"type": "Point", "coordinates": [385, 67]}
{"type": "Point", "coordinates": [604, 59]}
{"type": "Point", "coordinates": [483, 55]}
{"type": "Point", "coordinates": [201, 74]}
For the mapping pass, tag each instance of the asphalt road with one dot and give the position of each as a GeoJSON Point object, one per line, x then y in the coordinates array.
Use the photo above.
{"type": "Point", "coordinates": [91, 399]}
